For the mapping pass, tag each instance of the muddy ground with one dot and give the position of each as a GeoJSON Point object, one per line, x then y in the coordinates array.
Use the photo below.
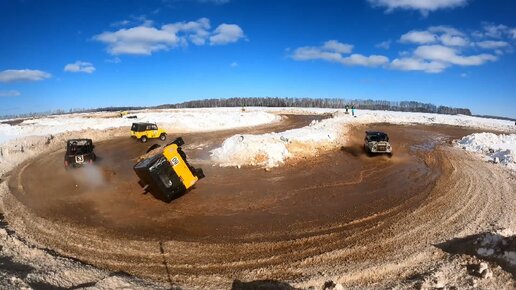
{"type": "Point", "coordinates": [359, 218]}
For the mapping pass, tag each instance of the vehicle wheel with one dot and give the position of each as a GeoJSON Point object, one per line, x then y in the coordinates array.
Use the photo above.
{"type": "Point", "coordinates": [143, 139]}
{"type": "Point", "coordinates": [163, 137]}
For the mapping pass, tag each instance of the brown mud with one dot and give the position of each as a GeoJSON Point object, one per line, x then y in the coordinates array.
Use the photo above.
{"type": "Point", "coordinates": [290, 223]}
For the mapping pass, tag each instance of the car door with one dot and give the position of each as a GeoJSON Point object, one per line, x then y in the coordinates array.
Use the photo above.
{"type": "Point", "coordinates": [154, 131]}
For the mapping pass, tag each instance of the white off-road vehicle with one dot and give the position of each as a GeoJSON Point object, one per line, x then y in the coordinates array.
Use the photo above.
{"type": "Point", "coordinates": [377, 142]}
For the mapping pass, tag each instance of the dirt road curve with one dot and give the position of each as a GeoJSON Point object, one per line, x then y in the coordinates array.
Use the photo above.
{"type": "Point", "coordinates": [357, 218]}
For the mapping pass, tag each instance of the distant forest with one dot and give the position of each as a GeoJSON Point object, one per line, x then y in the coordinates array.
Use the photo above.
{"type": "Point", "coordinates": [333, 103]}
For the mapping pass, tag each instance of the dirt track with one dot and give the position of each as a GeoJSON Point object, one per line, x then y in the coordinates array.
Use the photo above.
{"type": "Point", "coordinates": [346, 215]}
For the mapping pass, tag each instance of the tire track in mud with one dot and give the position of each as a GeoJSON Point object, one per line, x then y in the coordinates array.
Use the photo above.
{"type": "Point", "coordinates": [462, 196]}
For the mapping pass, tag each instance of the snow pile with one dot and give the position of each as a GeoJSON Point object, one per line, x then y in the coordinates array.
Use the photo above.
{"type": "Point", "coordinates": [23, 266]}
{"type": "Point", "coordinates": [273, 149]}
{"type": "Point", "coordinates": [392, 117]}
{"type": "Point", "coordinates": [500, 245]}
{"type": "Point", "coordinates": [496, 148]}
{"type": "Point", "coordinates": [191, 120]}
{"type": "Point", "coordinates": [369, 116]}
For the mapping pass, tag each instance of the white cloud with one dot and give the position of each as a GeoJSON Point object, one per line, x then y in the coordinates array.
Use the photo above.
{"type": "Point", "coordinates": [195, 31]}
{"type": "Point", "coordinates": [333, 51]}
{"type": "Point", "coordinates": [80, 66]}
{"type": "Point", "coordinates": [420, 37]}
{"type": "Point", "coordinates": [443, 46]}
{"type": "Point", "coordinates": [226, 33]}
{"type": "Point", "coordinates": [137, 40]}
{"type": "Point", "coordinates": [315, 53]}
{"type": "Point", "coordinates": [492, 44]}
{"type": "Point", "coordinates": [234, 64]}
{"type": "Point", "coordinates": [423, 6]}
{"type": "Point", "coordinates": [11, 93]}
{"type": "Point", "coordinates": [418, 64]}
{"type": "Point", "coordinates": [146, 39]}
{"type": "Point", "coordinates": [449, 55]}
{"type": "Point", "coordinates": [361, 60]}
{"type": "Point", "coordinates": [120, 23]}
{"type": "Point", "coordinates": [495, 31]}
{"type": "Point", "coordinates": [335, 46]}
{"type": "Point", "coordinates": [18, 75]}
{"type": "Point", "coordinates": [445, 29]}
{"type": "Point", "coordinates": [434, 50]}
{"type": "Point", "coordinates": [513, 33]}
{"type": "Point", "coordinates": [492, 30]}
{"type": "Point", "coordinates": [384, 44]}
{"type": "Point", "coordinates": [113, 60]}
{"type": "Point", "coordinates": [453, 40]}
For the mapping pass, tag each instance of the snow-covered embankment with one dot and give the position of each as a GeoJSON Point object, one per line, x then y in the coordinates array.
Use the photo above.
{"type": "Point", "coordinates": [494, 148]}
{"type": "Point", "coordinates": [273, 149]}
{"type": "Point", "coordinates": [178, 121]}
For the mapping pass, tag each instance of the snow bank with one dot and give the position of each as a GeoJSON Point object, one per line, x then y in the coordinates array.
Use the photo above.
{"type": "Point", "coordinates": [500, 245]}
{"type": "Point", "coordinates": [24, 266]}
{"type": "Point", "coordinates": [191, 120]}
{"type": "Point", "coordinates": [368, 116]}
{"type": "Point", "coordinates": [392, 117]}
{"type": "Point", "coordinates": [273, 149]}
{"type": "Point", "coordinates": [495, 148]}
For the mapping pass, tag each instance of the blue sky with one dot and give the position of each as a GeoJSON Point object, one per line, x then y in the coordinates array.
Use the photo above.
{"type": "Point", "coordinates": [85, 54]}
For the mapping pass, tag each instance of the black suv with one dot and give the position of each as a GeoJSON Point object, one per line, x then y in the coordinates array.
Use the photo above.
{"type": "Point", "coordinates": [79, 152]}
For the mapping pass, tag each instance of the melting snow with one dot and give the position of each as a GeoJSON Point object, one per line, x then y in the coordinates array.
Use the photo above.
{"type": "Point", "coordinates": [184, 120]}
{"type": "Point", "coordinates": [495, 148]}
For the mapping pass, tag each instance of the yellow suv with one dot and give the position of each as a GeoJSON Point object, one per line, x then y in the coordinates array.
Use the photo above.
{"type": "Point", "coordinates": [167, 174]}
{"type": "Point", "coordinates": [146, 131]}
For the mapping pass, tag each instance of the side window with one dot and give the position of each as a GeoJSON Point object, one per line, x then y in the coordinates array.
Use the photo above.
{"type": "Point", "coordinates": [154, 127]}
{"type": "Point", "coordinates": [148, 128]}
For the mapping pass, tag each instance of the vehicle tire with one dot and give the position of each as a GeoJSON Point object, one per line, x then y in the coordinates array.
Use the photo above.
{"type": "Point", "coordinates": [163, 137]}
{"type": "Point", "coordinates": [143, 139]}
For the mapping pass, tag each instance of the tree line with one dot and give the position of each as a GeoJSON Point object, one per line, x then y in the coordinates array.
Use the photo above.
{"type": "Point", "coordinates": [332, 103]}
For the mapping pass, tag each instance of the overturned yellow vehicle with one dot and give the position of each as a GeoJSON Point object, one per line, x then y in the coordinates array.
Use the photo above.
{"type": "Point", "coordinates": [165, 171]}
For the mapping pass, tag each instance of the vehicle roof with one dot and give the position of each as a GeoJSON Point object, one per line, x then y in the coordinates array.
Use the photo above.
{"type": "Point", "coordinates": [81, 139]}
{"type": "Point", "coordinates": [144, 123]}
{"type": "Point", "coordinates": [375, 133]}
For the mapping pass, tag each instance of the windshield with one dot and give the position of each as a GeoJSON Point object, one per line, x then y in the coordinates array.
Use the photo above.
{"type": "Point", "coordinates": [79, 147]}
{"type": "Point", "coordinates": [379, 137]}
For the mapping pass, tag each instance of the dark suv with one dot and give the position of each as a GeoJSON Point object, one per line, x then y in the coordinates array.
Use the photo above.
{"type": "Point", "coordinates": [79, 152]}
